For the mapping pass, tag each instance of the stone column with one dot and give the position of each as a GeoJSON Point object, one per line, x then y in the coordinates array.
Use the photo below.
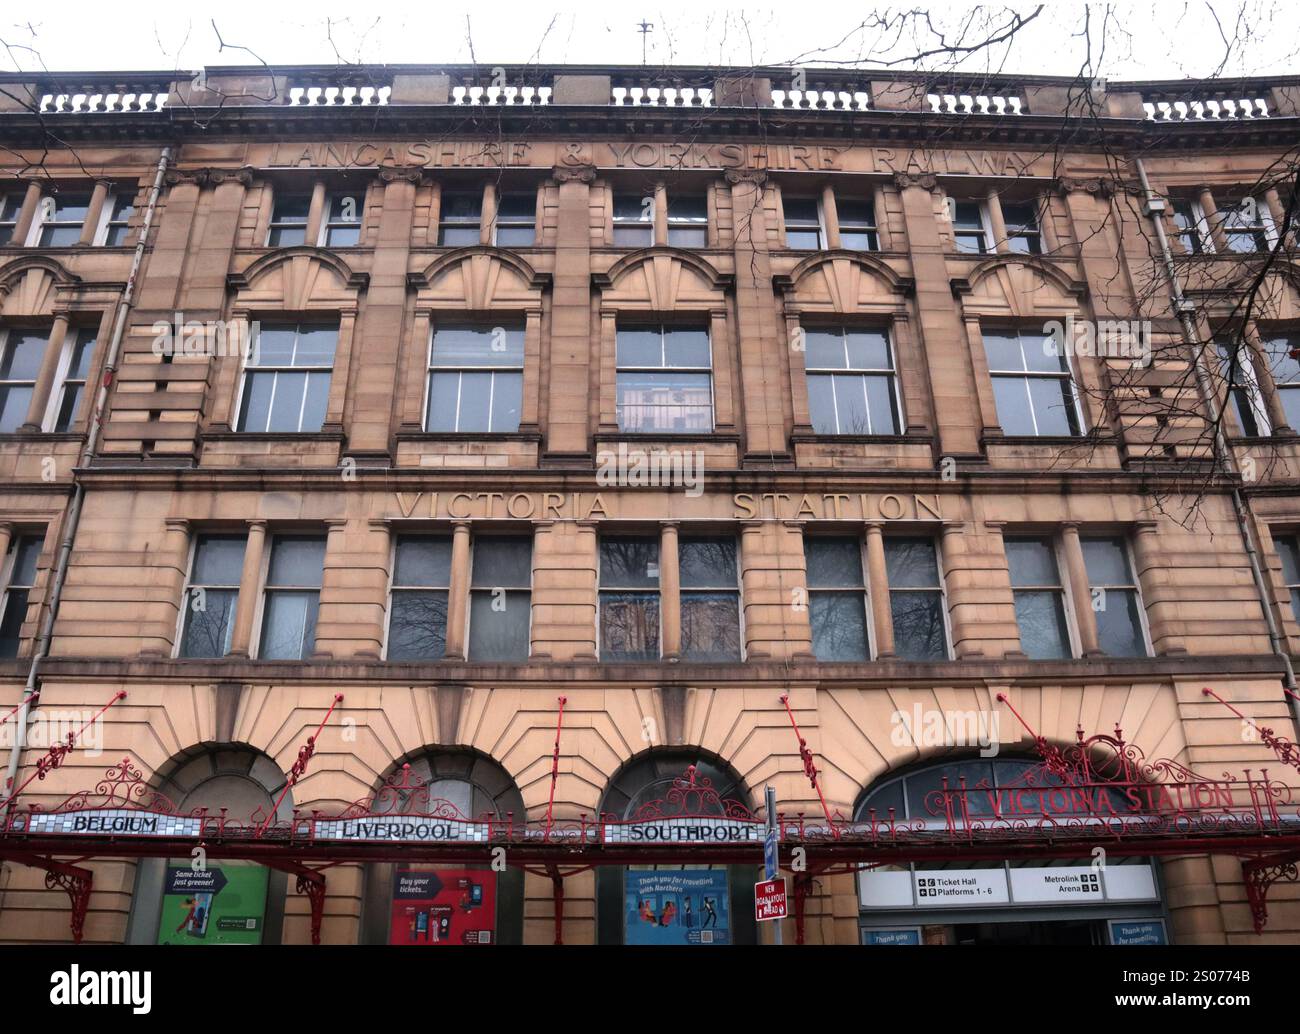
{"type": "Point", "coordinates": [27, 213]}
{"type": "Point", "coordinates": [94, 212]}
{"type": "Point", "coordinates": [1085, 618]}
{"type": "Point", "coordinates": [830, 217]}
{"type": "Point", "coordinates": [1210, 209]}
{"type": "Point", "coordinates": [488, 215]}
{"type": "Point", "coordinates": [45, 376]}
{"type": "Point", "coordinates": [670, 594]}
{"type": "Point", "coordinates": [458, 593]}
{"type": "Point", "coordinates": [571, 346]}
{"type": "Point", "coordinates": [999, 225]}
{"type": "Point", "coordinates": [250, 580]}
{"type": "Point", "coordinates": [882, 617]}
{"type": "Point", "coordinates": [661, 215]}
{"type": "Point", "coordinates": [316, 215]}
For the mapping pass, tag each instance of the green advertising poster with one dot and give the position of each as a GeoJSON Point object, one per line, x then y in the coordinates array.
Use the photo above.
{"type": "Point", "coordinates": [223, 904]}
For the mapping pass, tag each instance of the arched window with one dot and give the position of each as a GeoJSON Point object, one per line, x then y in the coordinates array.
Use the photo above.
{"type": "Point", "coordinates": [639, 787]}
{"type": "Point", "coordinates": [424, 903]}
{"type": "Point", "coordinates": [229, 902]}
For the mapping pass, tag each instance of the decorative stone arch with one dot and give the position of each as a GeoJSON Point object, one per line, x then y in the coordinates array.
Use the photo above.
{"type": "Point", "coordinates": [842, 287]}
{"type": "Point", "coordinates": [475, 784]}
{"type": "Point", "coordinates": [478, 283]}
{"type": "Point", "coordinates": [301, 282]}
{"type": "Point", "coordinates": [34, 285]}
{"type": "Point", "coordinates": [1023, 291]}
{"type": "Point", "coordinates": [649, 776]}
{"type": "Point", "coordinates": [234, 776]}
{"type": "Point", "coordinates": [668, 284]}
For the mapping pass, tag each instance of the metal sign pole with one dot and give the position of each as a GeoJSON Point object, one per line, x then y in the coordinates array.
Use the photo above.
{"type": "Point", "coordinates": [771, 845]}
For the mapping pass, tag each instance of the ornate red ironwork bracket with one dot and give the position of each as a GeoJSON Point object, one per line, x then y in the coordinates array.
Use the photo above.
{"type": "Point", "coordinates": [1051, 755]}
{"type": "Point", "coordinates": [1287, 752]}
{"type": "Point", "coordinates": [299, 766]}
{"type": "Point", "coordinates": [809, 768]}
{"type": "Point", "coordinates": [555, 775]}
{"type": "Point", "coordinates": [1259, 875]}
{"type": "Point", "coordinates": [312, 883]}
{"type": "Point", "coordinates": [53, 757]}
{"type": "Point", "coordinates": [74, 880]}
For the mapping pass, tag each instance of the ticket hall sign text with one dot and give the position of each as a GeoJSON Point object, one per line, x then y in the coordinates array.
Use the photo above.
{"type": "Point", "coordinates": [745, 506]}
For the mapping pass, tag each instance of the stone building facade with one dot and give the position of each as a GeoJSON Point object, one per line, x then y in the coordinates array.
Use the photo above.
{"type": "Point", "coordinates": [670, 395]}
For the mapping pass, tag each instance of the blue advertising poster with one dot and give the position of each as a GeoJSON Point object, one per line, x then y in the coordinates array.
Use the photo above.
{"type": "Point", "coordinates": [676, 907]}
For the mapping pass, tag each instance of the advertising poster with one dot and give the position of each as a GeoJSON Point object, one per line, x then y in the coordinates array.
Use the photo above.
{"type": "Point", "coordinates": [676, 907]}
{"type": "Point", "coordinates": [223, 904]}
{"type": "Point", "coordinates": [449, 906]}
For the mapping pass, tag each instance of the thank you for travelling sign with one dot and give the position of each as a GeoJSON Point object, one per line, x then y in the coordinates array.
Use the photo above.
{"type": "Point", "coordinates": [684, 831]}
{"type": "Point", "coordinates": [402, 829]}
{"type": "Point", "coordinates": [112, 822]}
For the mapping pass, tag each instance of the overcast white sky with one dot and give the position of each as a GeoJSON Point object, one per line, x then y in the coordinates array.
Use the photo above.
{"type": "Point", "coordinates": [1152, 39]}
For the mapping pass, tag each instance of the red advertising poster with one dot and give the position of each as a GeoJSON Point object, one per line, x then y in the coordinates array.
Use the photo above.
{"type": "Point", "coordinates": [444, 906]}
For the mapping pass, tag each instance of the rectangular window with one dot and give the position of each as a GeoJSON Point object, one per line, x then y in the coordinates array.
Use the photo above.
{"type": "Point", "coordinates": [916, 599]}
{"type": "Point", "coordinates": [688, 221]}
{"type": "Point", "coordinates": [1288, 550]}
{"type": "Point", "coordinates": [1242, 386]}
{"type": "Point", "coordinates": [664, 380]}
{"type": "Point", "coordinates": [417, 611]}
{"type": "Point", "coordinates": [970, 228]}
{"type": "Point", "coordinates": [634, 220]}
{"type": "Point", "coordinates": [851, 388]}
{"type": "Point", "coordinates": [500, 598]}
{"type": "Point", "coordinates": [476, 378]}
{"type": "Point", "coordinates": [287, 378]}
{"type": "Point", "coordinates": [1021, 221]}
{"type": "Point", "coordinates": [516, 221]}
{"type": "Point", "coordinates": [78, 351]}
{"type": "Point", "coordinates": [837, 599]}
{"type": "Point", "coordinates": [289, 221]}
{"type": "Point", "coordinates": [710, 598]}
{"type": "Point", "coordinates": [10, 206]}
{"type": "Point", "coordinates": [1115, 598]}
{"type": "Point", "coordinates": [803, 224]}
{"type": "Point", "coordinates": [211, 596]}
{"type": "Point", "coordinates": [62, 218]}
{"type": "Point", "coordinates": [1190, 227]}
{"type": "Point", "coordinates": [292, 597]}
{"type": "Point", "coordinates": [460, 217]}
{"type": "Point", "coordinates": [343, 220]}
{"type": "Point", "coordinates": [121, 207]}
{"type": "Point", "coordinates": [21, 354]}
{"type": "Point", "coordinates": [857, 224]}
{"type": "Point", "coordinates": [629, 599]}
{"type": "Point", "coordinates": [1286, 374]}
{"type": "Point", "coordinates": [1247, 225]}
{"type": "Point", "coordinates": [20, 576]}
{"type": "Point", "coordinates": [1040, 598]}
{"type": "Point", "coordinates": [1031, 385]}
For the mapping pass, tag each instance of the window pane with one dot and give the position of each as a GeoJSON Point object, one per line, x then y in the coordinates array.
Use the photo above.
{"type": "Point", "coordinates": [218, 559]}
{"type": "Point", "coordinates": [343, 236]}
{"type": "Point", "coordinates": [83, 347]}
{"type": "Point", "coordinates": [13, 407]}
{"type": "Point", "coordinates": [669, 402]}
{"type": "Point", "coordinates": [313, 407]}
{"type": "Point", "coordinates": [833, 563]}
{"type": "Point", "coordinates": [629, 626]}
{"type": "Point", "coordinates": [1011, 398]}
{"type": "Point", "coordinates": [839, 626]}
{"type": "Point", "coordinates": [498, 626]}
{"type": "Point", "coordinates": [11, 625]}
{"type": "Point", "coordinates": [803, 240]}
{"type": "Point", "coordinates": [482, 345]}
{"type": "Point", "coordinates": [710, 626]}
{"type": "Point", "coordinates": [685, 346]}
{"type": "Point", "coordinates": [855, 212]}
{"type": "Point", "coordinates": [297, 561]}
{"type": "Point", "coordinates": [1031, 562]}
{"type": "Point", "coordinates": [857, 240]}
{"type": "Point", "coordinates": [1106, 561]}
{"type": "Point", "coordinates": [801, 210]}
{"type": "Point", "coordinates": [286, 401]}
{"type": "Point", "coordinates": [443, 391]}
{"type": "Point", "coordinates": [422, 560]}
{"type": "Point", "coordinates": [291, 209]}
{"type": "Point", "coordinates": [967, 216]}
{"type": "Point", "coordinates": [256, 406]}
{"type": "Point", "coordinates": [287, 236]}
{"type": "Point", "coordinates": [209, 622]}
{"type": "Point", "coordinates": [634, 208]}
{"type": "Point", "coordinates": [911, 563]}
{"type": "Point", "coordinates": [507, 397]}
{"type": "Point", "coordinates": [919, 633]}
{"type": "Point", "coordinates": [868, 350]}
{"type": "Point", "coordinates": [1041, 617]}
{"type": "Point", "coordinates": [707, 563]}
{"type": "Point", "coordinates": [1053, 405]}
{"type": "Point", "coordinates": [22, 355]}
{"type": "Point", "coordinates": [633, 235]}
{"type": "Point", "coordinates": [417, 626]}
{"type": "Point", "coordinates": [289, 628]}
{"type": "Point", "coordinates": [1003, 350]}
{"type": "Point", "coordinates": [638, 346]}
{"type": "Point", "coordinates": [1119, 626]}
{"type": "Point", "coordinates": [315, 346]}
{"type": "Point", "coordinates": [275, 344]}
{"type": "Point", "coordinates": [517, 207]}
{"type": "Point", "coordinates": [629, 563]}
{"type": "Point", "coordinates": [821, 404]}
{"type": "Point", "coordinates": [824, 349]}
{"type": "Point", "coordinates": [68, 407]}
{"type": "Point", "coordinates": [24, 569]}
{"type": "Point", "coordinates": [688, 208]}
{"type": "Point", "coordinates": [458, 236]}
{"type": "Point", "coordinates": [687, 236]}
{"type": "Point", "coordinates": [881, 403]}
{"type": "Point", "coordinates": [516, 236]}
{"type": "Point", "coordinates": [475, 402]}
{"type": "Point", "coordinates": [1291, 405]}
{"type": "Point", "coordinates": [1288, 550]}
{"type": "Point", "coordinates": [1019, 216]}
{"type": "Point", "coordinates": [458, 207]}
{"type": "Point", "coordinates": [851, 403]}
{"type": "Point", "coordinates": [502, 560]}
